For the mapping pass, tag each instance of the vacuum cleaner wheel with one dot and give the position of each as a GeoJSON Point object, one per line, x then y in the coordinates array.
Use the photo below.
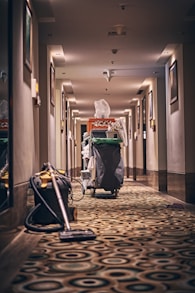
{"type": "Point", "coordinates": [77, 235]}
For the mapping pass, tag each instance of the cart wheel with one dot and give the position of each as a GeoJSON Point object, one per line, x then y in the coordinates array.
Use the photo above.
{"type": "Point", "coordinates": [72, 213]}
{"type": "Point", "coordinates": [92, 191]}
{"type": "Point", "coordinates": [83, 190]}
{"type": "Point", "coordinates": [116, 192]}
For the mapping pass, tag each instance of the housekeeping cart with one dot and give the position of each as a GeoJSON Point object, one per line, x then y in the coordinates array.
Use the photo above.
{"type": "Point", "coordinates": [105, 168]}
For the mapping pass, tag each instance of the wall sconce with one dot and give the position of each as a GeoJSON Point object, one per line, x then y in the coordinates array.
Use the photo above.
{"type": "Point", "coordinates": [35, 92]}
{"type": "Point", "coordinates": [152, 124]}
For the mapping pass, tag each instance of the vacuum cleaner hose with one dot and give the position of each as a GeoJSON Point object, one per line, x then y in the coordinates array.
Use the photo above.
{"type": "Point", "coordinates": [34, 210]}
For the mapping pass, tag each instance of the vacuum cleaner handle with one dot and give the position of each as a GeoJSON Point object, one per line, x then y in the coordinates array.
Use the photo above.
{"type": "Point", "coordinates": [58, 194]}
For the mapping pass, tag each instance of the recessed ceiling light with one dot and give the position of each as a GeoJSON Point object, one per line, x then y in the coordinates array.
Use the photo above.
{"type": "Point", "coordinates": [118, 30]}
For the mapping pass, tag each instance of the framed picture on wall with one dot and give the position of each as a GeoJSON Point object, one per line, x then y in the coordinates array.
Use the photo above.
{"type": "Point", "coordinates": [173, 79]}
{"type": "Point", "coordinates": [52, 84]}
{"type": "Point", "coordinates": [27, 36]}
{"type": "Point", "coordinates": [150, 98]}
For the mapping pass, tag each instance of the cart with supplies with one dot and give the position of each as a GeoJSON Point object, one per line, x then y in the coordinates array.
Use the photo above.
{"type": "Point", "coordinates": [103, 164]}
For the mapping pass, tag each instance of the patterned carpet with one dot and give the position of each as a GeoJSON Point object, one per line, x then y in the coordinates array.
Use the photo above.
{"type": "Point", "coordinates": [145, 243]}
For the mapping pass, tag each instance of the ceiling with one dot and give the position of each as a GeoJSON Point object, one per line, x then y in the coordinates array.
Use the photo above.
{"type": "Point", "coordinates": [127, 42]}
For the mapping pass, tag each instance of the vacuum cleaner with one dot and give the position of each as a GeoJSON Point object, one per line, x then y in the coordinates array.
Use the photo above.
{"type": "Point", "coordinates": [65, 232]}
{"type": "Point", "coordinates": [4, 176]}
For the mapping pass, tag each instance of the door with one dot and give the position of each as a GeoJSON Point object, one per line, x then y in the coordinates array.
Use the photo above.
{"type": "Point", "coordinates": [144, 133]}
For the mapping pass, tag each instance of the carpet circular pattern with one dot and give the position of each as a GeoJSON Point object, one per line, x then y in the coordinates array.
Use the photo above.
{"type": "Point", "coordinates": [144, 243]}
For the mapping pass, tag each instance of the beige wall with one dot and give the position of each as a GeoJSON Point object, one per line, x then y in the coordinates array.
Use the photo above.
{"type": "Point", "coordinates": [152, 162]}
{"type": "Point", "coordinates": [25, 145]}
{"type": "Point", "coordinates": [175, 120]}
{"type": "Point", "coordinates": [180, 120]}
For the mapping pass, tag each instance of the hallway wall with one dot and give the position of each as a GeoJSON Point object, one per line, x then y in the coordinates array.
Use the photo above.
{"type": "Point", "coordinates": [23, 130]}
{"type": "Point", "coordinates": [180, 118]}
{"type": "Point", "coordinates": [175, 120]}
{"type": "Point", "coordinates": [155, 135]}
{"type": "Point", "coordinates": [25, 138]}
